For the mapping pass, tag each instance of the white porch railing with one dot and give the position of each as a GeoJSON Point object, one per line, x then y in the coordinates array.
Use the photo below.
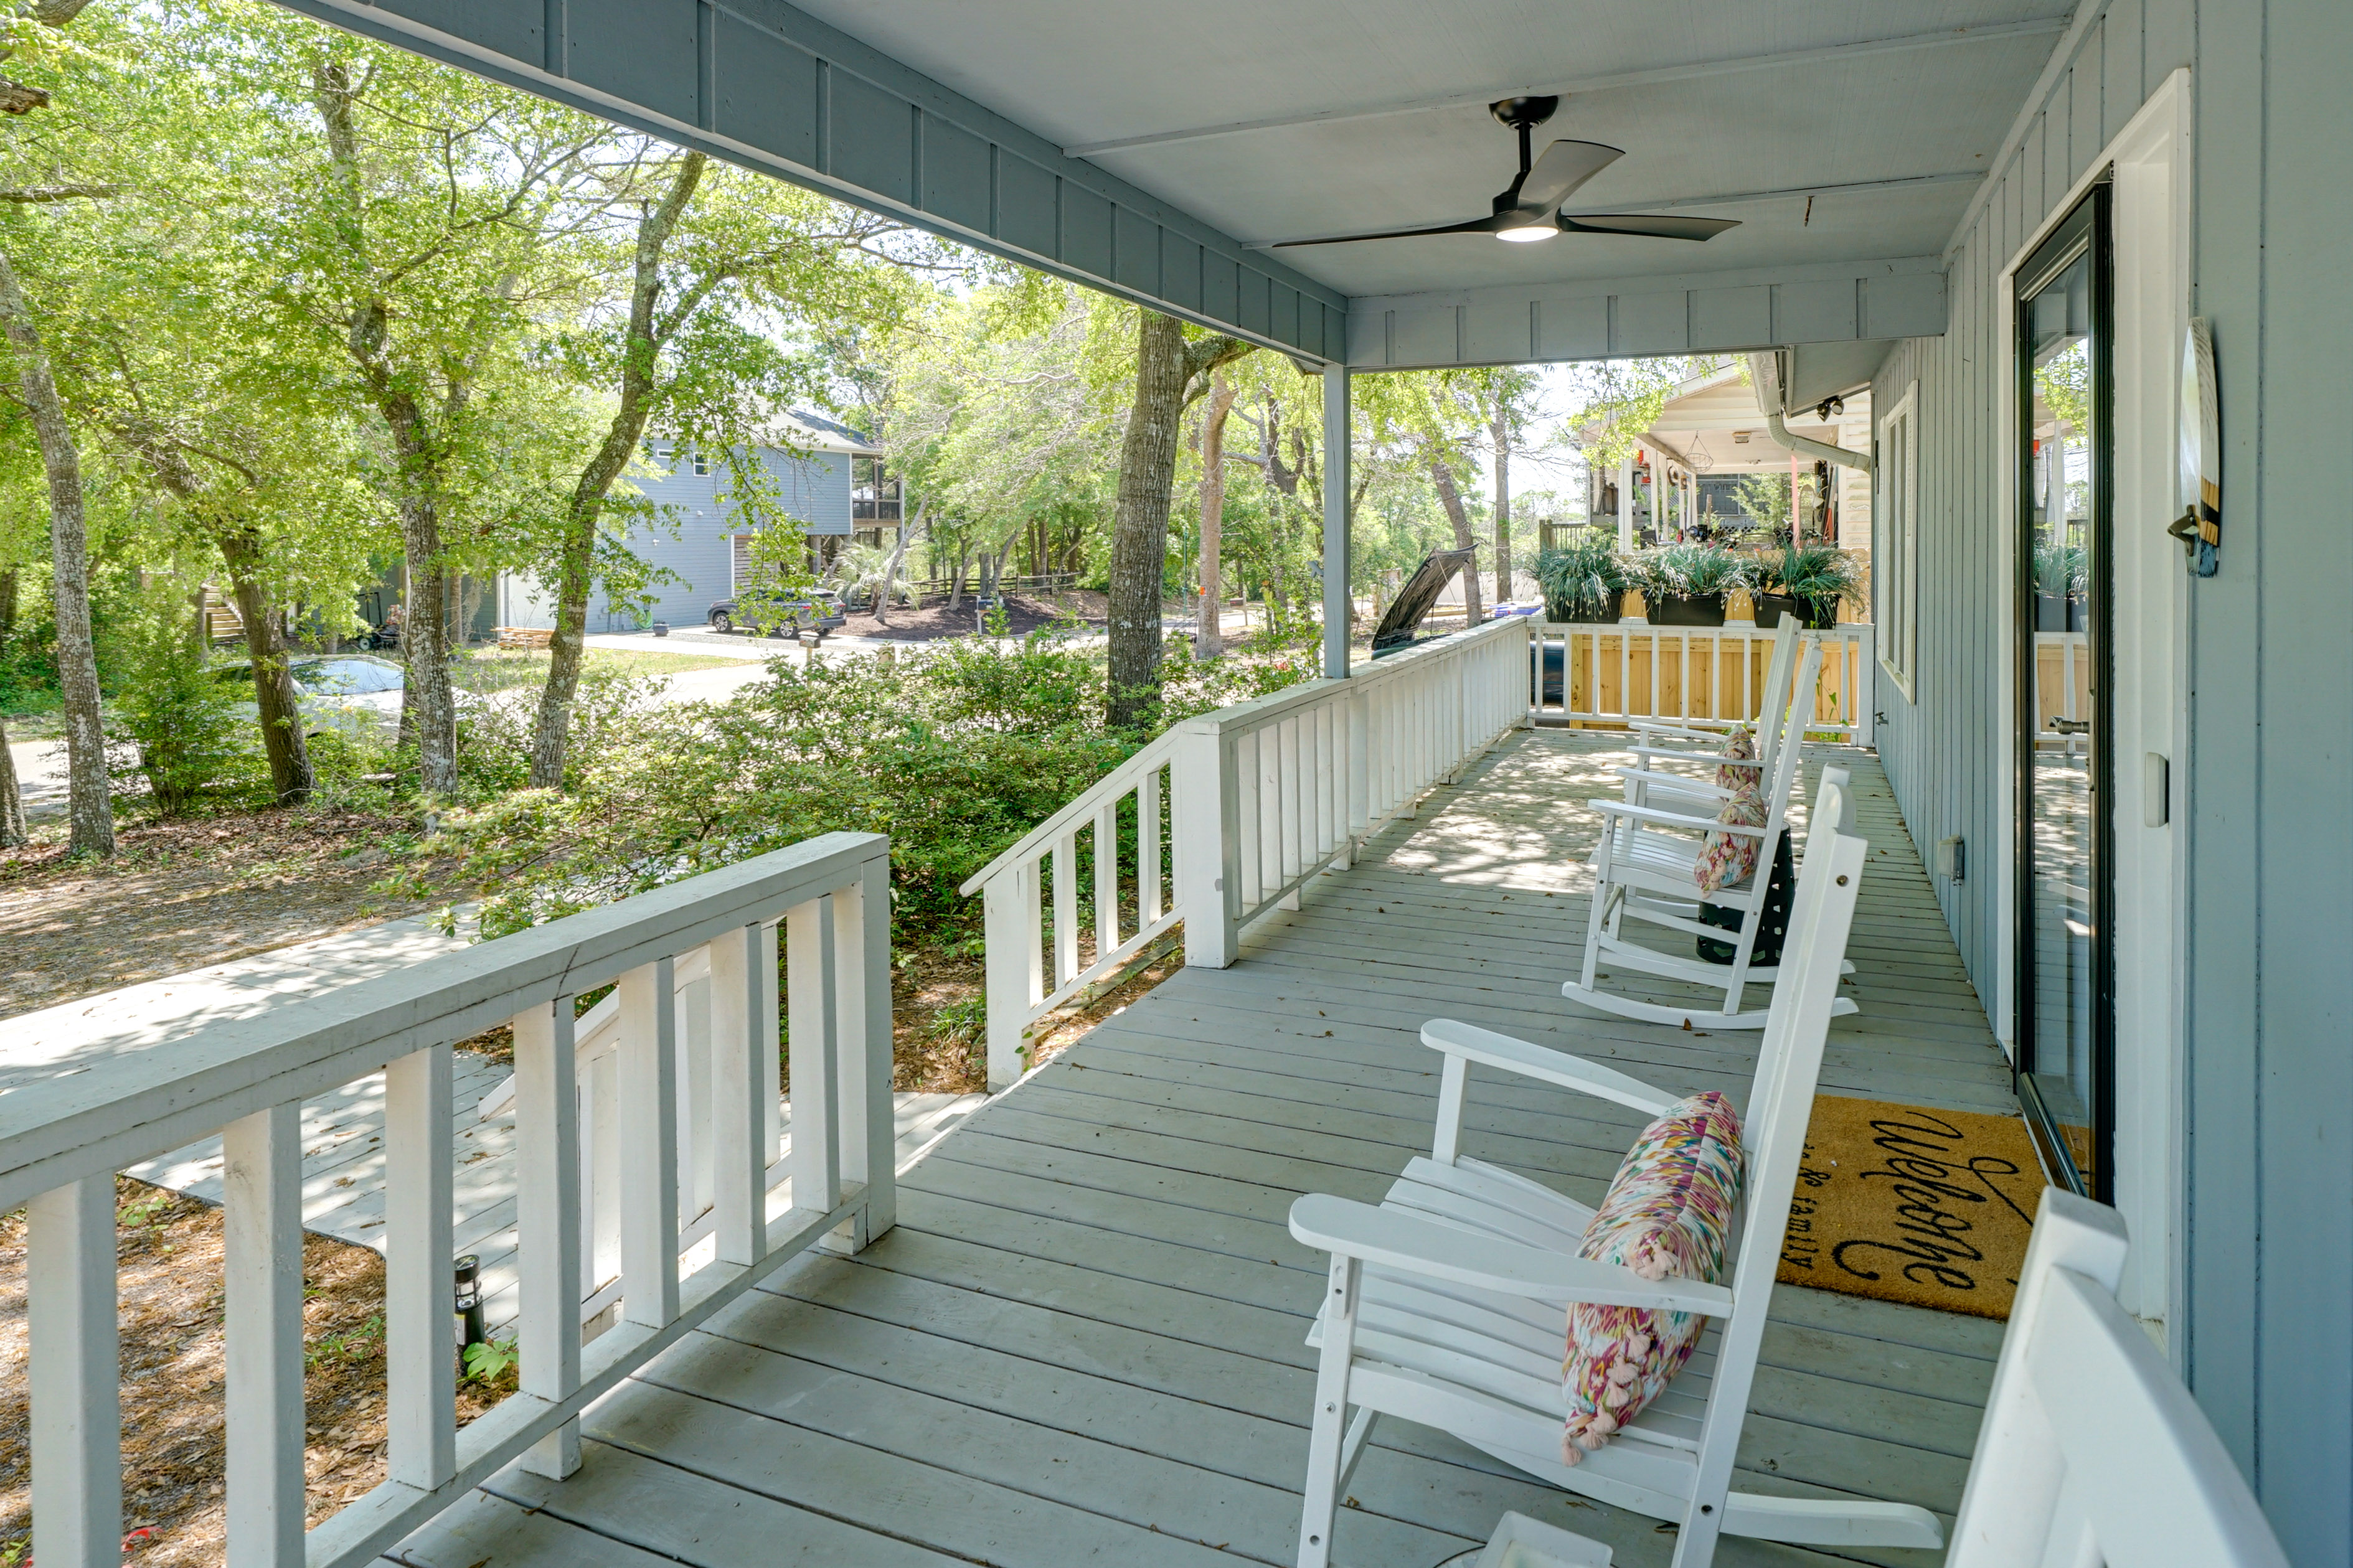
{"type": "Point", "coordinates": [1259, 797]}
{"type": "Point", "coordinates": [1616, 672]}
{"type": "Point", "coordinates": [62, 1140]}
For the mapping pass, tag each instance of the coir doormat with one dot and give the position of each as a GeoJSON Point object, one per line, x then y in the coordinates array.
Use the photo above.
{"type": "Point", "coordinates": [1903, 1204]}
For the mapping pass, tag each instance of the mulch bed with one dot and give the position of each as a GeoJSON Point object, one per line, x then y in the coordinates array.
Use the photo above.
{"type": "Point", "coordinates": [169, 1263]}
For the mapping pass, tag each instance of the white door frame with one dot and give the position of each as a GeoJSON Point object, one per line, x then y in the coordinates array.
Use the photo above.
{"type": "Point", "coordinates": [2150, 619]}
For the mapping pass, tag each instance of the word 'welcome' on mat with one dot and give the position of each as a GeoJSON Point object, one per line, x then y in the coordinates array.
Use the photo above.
{"type": "Point", "coordinates": [1904, 1203]}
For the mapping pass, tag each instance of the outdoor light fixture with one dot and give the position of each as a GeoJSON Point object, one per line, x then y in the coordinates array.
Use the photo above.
{"type": "Point", "coordinates": [1527, 234]}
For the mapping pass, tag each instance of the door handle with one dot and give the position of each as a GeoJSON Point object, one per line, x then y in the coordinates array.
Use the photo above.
{"type": "Point", "coordinates": [2071, 726]}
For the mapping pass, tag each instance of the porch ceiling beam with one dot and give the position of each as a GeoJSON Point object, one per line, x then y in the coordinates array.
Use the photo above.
{"type": "Point", "coordinates": [1735, 198]}
{"type": "Point", "coordinates": [770, 88]}
{"type": "Point", "coordinates": [1695, 70]}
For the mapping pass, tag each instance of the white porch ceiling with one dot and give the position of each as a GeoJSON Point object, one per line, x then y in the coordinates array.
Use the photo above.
{"type": "Point", "coordinates": [1848, 137]}
{"type": "Point", "coordinates": [1931, 109]}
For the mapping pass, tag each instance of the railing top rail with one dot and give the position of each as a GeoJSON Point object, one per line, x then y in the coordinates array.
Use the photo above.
{"type": "Point", "coordinates": [1264, 710]}
{"type": "Point", "coordinates": [147, 1099]}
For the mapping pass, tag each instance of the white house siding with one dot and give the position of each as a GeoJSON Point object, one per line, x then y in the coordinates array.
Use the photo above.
{"type": "Point", "coordinates": [2265, 1330]}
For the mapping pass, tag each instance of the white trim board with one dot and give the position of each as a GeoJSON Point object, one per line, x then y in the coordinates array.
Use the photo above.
{"type": "Point", "coordinates": [2151, 157]}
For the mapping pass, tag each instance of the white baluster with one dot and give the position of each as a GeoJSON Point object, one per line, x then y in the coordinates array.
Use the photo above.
{"type": "Point", "coordinates": [1066, 909]}
{"type": "Point", "coordinates": [420, 1334]}
{"type": "Point", "coordinates": [547, 1222]}
{"type": "Point", "coordinates": [770, 1036]}
{"type": "Point", "coordinates": [261, 1222]}
{"type": "Point", "coordinates": [1107, 879]}
{"type": "Point", "coordinates": [648, 1079]}
{"type": "Point", "coordinates": [1148, 883]}
{"type": "Point", "coordinates": [74, 1375]}
{"type": "Point", "coordinates": [815, 1073]}
{"type": "Point", "coordinates": [739, 1164]}
{"type": "Point", "coordinates": [861, 926]}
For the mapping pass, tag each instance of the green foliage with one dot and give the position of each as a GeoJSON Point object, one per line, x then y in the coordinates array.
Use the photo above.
{"type": "Point", "coordinates": [193, 729]}
{"type": "Point", "coordinates": [488, 1360]}
{"type": "Point", "coordinates": [1691, 572]}
{"type": "Point", "coordinates": [1582, 577]}
{"type": "Point", "coordinates": [351, 1344]}
{"type": "Point", "coordinates": [1764, 500]}
{"type": "Point", "coordinates": [1810, 571]}
{"type": "Point", "coordinates": [955, 754]}
{"type": "Point", "coordinates": [2062, 571]}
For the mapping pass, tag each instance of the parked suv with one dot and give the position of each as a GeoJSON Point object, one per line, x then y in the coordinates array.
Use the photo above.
{"type": "Point", "coordinates": [820, 611]}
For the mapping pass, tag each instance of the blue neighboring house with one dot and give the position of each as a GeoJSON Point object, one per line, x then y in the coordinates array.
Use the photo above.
{"type": "Point", "coordinates": [835, 484]}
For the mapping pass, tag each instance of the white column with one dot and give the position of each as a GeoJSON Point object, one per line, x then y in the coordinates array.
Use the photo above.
{"type": "Point", "coordinates": [1336, 607]}
{"type": "Point", "coordinates": [1626, 502]}
{"type": "Point", "coordinates": [74, 1375]}
{"type": "Point", "coordinates": [861, 945]}
{"type": "Point", "coordinates": [261, 1184]}
{"type": "Point", "coordinates": [547, 1222]}
{"type": "Point", "coordinates": [420, 1339]}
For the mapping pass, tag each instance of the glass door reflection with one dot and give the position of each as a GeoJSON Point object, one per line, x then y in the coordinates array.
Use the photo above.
{"type": "Point", "coordinates": [2065, 1022]}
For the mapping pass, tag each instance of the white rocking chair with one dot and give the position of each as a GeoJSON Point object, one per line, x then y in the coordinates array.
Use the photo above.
{"type": "Point", "coordinates": [1699, 741]}
{"type": "Point", "coordinates": [2090, 1451]}
{"type": "Point", "coordinates": [1646, 868]}
{"type": "Point", "coordinates": [1446, 1305]}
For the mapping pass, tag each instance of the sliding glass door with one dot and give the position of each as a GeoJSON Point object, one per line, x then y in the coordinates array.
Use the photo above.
{"type": "Point", "coordinates": [2065, 1022]}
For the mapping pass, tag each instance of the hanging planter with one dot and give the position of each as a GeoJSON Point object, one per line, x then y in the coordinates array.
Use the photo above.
{"type": "Point", "coordinates": [1809, 581]}
{"type": "Point", "coordinates": [1693, 610]}
{"type": "Point", "coordinates": [1814, 614]}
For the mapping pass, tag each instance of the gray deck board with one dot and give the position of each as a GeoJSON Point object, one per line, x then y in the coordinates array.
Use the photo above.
{"type": "Point", "coordinates": [1083, 1343]}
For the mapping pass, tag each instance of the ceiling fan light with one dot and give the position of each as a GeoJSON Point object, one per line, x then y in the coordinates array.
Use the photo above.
{"type": "Point", "coordinates": [1528, 233]}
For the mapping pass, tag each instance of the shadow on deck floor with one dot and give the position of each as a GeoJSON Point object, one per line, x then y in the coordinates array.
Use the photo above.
{"type": "Point", "coordinates": [1083, 1343]}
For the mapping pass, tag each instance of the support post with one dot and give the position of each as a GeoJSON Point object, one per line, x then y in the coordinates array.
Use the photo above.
{"type": "Point", "coordinates": [420, 1348]}
{"type": "Point", "coordinates": [1626, 502]}
{"type": "Point", "coordinates": [1204, 838]}
{"type": "Point", "coordinates": [1337, 608]}
{"type": "Point", "coordinates": [261, 1182]}
{"type": "Point", "coordinates": [861, 944]}
{"type": "Point", "coordinates": [75, 1372]}
{"type": "Point", "coordinates": [547, 1222]}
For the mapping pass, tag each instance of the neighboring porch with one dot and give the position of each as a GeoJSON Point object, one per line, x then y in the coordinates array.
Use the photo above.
{"type": "Point", "coordinates": [1084, 1340]}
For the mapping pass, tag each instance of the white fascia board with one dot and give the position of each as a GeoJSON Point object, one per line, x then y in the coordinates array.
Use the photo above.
{"type": "Point", "coordinates": [1821, 301]}
{"type": "Point", "coordinates": [766, 86]}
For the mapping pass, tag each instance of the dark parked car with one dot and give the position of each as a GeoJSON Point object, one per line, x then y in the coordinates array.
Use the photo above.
{"type": "Point", "coordinates": [820, 611]}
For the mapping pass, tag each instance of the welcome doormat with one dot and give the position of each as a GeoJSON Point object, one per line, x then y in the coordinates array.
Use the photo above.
{"type": "Point", "coordinates": [1903, 1204]}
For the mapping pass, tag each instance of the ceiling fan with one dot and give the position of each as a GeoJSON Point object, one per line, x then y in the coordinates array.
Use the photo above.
{"type": "Point", "coordinates": [1529, 208]}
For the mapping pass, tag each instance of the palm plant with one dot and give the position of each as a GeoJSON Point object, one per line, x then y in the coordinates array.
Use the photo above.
{"type": "Point", "coordinates": [859, 570]}
{"type": "Point", "coordinates": [1582, 579]}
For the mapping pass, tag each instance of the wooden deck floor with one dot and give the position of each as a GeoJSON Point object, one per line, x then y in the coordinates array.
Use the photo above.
{"type": "Point", "coordinates": [1083, 1342]}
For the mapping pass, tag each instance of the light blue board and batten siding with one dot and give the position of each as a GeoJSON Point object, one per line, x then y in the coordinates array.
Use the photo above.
{"type": "Point", "coordinates": [763, 84]}
{"type": "Point", "coordinates": [2267, 1319]}
{"type": "Point", "coordinates": [693, 541]}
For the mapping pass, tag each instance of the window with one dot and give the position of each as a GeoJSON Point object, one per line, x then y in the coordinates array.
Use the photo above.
{"type": "Point", "coordinates": [873, 493]}
{"type": "Point", "coordinates": [701, 463]}
{"type": "Point", "coordinates": [1896, 547]}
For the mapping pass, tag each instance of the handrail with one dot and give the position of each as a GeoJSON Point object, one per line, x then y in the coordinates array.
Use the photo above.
{"type": "Point", "coordinates": [1259, 797]}
{"type": "Point", "coordinates": [62, 1140]}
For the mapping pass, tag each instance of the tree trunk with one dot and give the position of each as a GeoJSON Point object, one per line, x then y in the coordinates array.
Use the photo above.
{"type": "Point", "coordinates": [955, 584]}
{"type": "Point", "coordinates": [12, 802]}
{"type": "Point", "coordinates": [578, 555]}
{"type": "Point", "coordinates": [90, 810]}
{"type": "Point", "coordinates": [908, 529]}
{"type": "Point", "coordinates": [1441, 474]}
{"type": "Point", "coordinates": [1502, 430]}
{"type": "Point", "coordinates": [273, 677]}
{"type": "Point", "coordinates": [1210, 641]}
{"type": "Point", "coordinates": [1147, 468]}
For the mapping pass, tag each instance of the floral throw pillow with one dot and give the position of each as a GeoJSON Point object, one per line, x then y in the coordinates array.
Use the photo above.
{"type": "Point", "coordinates": [1726, 858]}
{"type": "Point", "coordinates": [1742, 745]}
{"type": "Point", "coordinates": [1667, 1214]}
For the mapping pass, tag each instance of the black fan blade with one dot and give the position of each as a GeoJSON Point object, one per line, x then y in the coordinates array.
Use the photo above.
{"type": "Point", "coordinates": [1655, 225]}
{"type": "Point", "coordinates": [1565, 166]}
{"type": "Point", "coordinates": [1476, 226]}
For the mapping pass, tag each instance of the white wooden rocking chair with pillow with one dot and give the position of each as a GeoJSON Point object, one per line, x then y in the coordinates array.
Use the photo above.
{"type": "Point", "coordinates": [2091, 1452]}
{"type": "Point", "coordinates": [1447, 1305]}
{"type": "Point", "coordinates": [1699, 741]}
{"type": "Point", "coordinates": [1647, 867]}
